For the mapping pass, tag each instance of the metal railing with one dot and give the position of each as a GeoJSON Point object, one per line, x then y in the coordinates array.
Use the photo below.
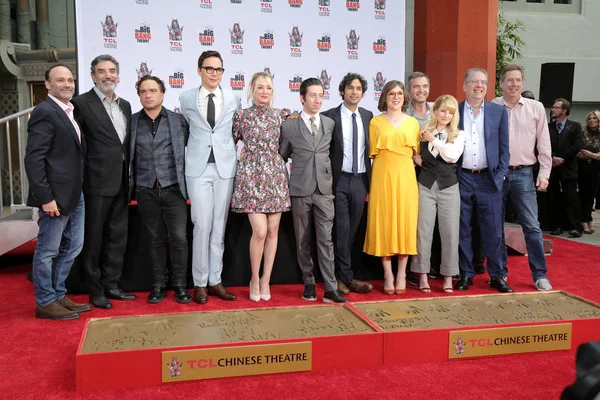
{"type": "Point", "coordinates": [9, 152]}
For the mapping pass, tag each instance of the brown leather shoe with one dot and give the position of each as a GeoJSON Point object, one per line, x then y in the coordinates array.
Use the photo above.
{"type": "Point", "coordinates": [200, 295]}
{"type": "Point", "coordinates": [220, 291]}
{"type": "Point", "coordinates": [55, 311]}
{"type": "Point", "coordinates": [342, 288]}
{"type": "Point", "coordinates": [360, 287]}
{"type": "Point", "coordinates": [70, 305]}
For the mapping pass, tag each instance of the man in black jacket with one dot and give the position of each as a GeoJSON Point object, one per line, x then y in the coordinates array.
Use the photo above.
{"type": "Point", "coordinates": [54, 163]}
{"type": "Point", "coordinates": [105, 121]}
{"type": "Point", "coordinates": [566, 140]}
{"type": "Point", "coordinates": [351, 167]}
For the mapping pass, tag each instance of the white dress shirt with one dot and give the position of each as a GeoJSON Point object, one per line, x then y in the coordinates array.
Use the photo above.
{"type": "Point", "coordinates": [347, 136]}
{"type": "Point", "coordinates": [203, 102]}
{"type": "Point", "coordinates": [474, 154]}
{"type": "Point", "coordinates": [450, 152]}
{"type": "Point", "coordinates": [116, 115]}
{"type": "Point", "coordinates": [68, 109]}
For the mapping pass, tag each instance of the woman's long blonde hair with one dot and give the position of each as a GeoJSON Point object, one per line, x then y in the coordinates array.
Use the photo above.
{"type": "Point", "coordinates": [451, 105]}
{"type": "Point", "coordinates": [586, 127]}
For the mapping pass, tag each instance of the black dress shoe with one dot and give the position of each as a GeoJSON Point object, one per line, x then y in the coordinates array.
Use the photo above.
{"type": "Point", "coordinates": [118, 294]}
{"type": "Point", "coordinates": [463, 283]}
{"type": "Point", "coordinates": [310, 294]}
{"type": "Point", "coordinates": [157, 294]}
{"type": "Point", "coordinates": [501, 285]}
{"type": "Point", "coordinates": [333, 296]}
{"type": "Point", "coordinates": [182, 296]}
{"type": "Point", "coordinates": [556, 231]}
{"type": "Point", "coordinates": [100, 302]}
{"type": "Point", "coordinates": [574, 233]}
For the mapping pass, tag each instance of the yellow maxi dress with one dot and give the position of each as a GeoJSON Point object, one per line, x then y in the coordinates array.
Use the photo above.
{"type": "Point", "coordinates": [394, 195]}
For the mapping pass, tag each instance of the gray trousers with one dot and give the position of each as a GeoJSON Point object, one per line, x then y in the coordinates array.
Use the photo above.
{"type": "Point", "coordinates": [316, 210]}
{"type": "Point", "coordinates": [446, 204]}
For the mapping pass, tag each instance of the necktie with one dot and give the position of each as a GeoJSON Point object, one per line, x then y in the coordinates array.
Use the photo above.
{"type": "Point", "coordinates": [354, 144]}
{"type": "Point", "coordinates": [69, 112]}
{"type": "Point", "coordinates": [313, 127]}
{"type": "Point", "coordinates": [559, 127]}
{"type": "Point", "coordinates": [210, 111]}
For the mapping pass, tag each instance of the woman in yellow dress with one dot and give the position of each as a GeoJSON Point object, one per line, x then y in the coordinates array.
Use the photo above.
{"type": "Point", "coordinates": [394, 194]}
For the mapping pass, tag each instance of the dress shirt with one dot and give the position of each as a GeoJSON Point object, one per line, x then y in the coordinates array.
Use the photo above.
{"type": "Point", "coordinates": [410, 111]}
{"type": "Point", "coordinates": [68, 109]}
{"type": "Point", "coordinates": [153, 123]}
{"type": "Point", "coordinates": [450, 152]}
{"type": "Point", "coordinates": [527, 125]}
{"type": "Point", "coordinates": [474, 157]}
{"type": "Point", "coordinates": [203, 102]}
{"type": "Point", "coordinates": [347, 135]}
{"type": "Point", "coordinates": [306, 119]}
{"type": "Point", "coordinates": [116, 115]}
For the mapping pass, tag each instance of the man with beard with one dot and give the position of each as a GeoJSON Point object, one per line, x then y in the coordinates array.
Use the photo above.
{"type": "Point", "coordinates": [105, 121]}
{"type": "Point", "coordinates": [54, 164]}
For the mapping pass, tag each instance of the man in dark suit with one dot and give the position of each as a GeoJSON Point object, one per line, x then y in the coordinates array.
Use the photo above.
{"type": "Point", "coordinates": [566, 140]}
{"type": "Point", "coordinates": [306, 140]}
{"type": "Point", "coordinates": [351, 167]}
{"type": "Point", "coordinates": [481, 173]}
{"type": "Point", "coordinates": [157, 157]}
{"type": "Point", "coordinates": [105, 121]}
{"type": "Point", "coordinates": [54, 163]}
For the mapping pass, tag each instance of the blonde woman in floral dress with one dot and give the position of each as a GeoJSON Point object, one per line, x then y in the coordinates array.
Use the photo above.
{"type": "Point", "coordinates": [261, 182]}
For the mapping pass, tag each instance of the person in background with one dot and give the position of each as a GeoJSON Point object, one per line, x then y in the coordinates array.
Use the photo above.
{"type": "Point", "coordinates": [589, 169]}
{"type": "Point", "coordinates": [394, 194]}
{"type": "Point", "coordinates": [442, 144]}
{"type": "Point", "coordinates": [261, 181]}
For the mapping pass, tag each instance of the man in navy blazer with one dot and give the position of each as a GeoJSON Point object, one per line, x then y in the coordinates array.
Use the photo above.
{"type": "Point", "coordinates": [351, 168]}
{"type": "Point", "coordinates": [54, 163]}
{"type": "Point", "coordinates": [481, 172]}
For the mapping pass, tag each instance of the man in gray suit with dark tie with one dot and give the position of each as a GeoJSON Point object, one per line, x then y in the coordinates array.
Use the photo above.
{"type": "Point", "coordinates": [306, 141]}
{"type": "Point", "coordinates": [210, 165]}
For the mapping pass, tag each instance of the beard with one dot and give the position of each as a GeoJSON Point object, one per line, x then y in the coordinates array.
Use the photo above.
{"type": "Point", "coordinates": [107, 85]}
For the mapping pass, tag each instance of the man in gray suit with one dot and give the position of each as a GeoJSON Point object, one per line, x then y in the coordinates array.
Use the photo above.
{"type": "Point", "coordinates": [158, 139]}
{"type": "Point", "coordinates": [306, 141]}
{"type": "Point", "coordinates": [210, 166]}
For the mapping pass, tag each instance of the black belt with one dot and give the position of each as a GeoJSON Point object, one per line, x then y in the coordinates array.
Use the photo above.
{"type": "Point", "coordinates": [351, 175]}
{"type": "Point", "coordinates": [518, 167]}
{"type": "Point", "coordinates": [475, 171]}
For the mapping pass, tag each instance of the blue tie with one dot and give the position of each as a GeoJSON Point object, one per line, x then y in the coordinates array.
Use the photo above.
{"type": "Point", "coordinates": [559, 127]}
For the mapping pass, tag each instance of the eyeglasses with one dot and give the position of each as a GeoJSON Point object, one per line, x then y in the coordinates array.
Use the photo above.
{"type": "Point", "coordinates": [556, 108]}
{"type": "Point", "coordinates": [212, 70]}
{"type": "Point", "coordinates": [395, 94]}
{"type": "Point", "coordinates": [477, 82]}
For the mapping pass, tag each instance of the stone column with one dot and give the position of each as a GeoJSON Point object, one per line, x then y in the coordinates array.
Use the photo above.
{"type": "Point", "coordinates": [42, 24]}
{"type": "Point", "coordinates": [452, 36]}
{"type": "Point", "coordinates": [5, 33]}
{"type": "Point", "coordinates": [23, 22]}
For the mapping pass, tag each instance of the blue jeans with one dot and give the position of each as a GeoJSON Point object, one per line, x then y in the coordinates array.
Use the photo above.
{"type": "Point", "coordinates": [521, 188]}
{"type": "Point", "coordinates": [60, 240]}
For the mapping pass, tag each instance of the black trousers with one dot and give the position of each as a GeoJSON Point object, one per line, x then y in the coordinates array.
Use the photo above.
{"type": "Point", "coordinates": [105, 240]}
{"type": "Point", "coordinates": [164, 215]}
{"type": "Point", "coordinates": [350, 195]}
{"type": "Point", "coordinates": [589, 182]}
{"type": "Point", "coordinates": [564, 204]}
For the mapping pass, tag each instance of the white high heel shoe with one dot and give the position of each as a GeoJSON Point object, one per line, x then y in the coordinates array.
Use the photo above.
{"type": "Point", "coordinates": [265, 297]}
{"type": "Point", "coordinates": [254, 297]}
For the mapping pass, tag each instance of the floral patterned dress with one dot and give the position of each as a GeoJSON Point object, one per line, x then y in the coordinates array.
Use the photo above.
{"type": "Point", "coordinates": [261, 181]}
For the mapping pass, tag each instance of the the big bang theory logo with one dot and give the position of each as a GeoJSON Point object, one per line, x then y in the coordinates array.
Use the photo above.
{"type": "Point", "coordinates": [379, 46]}
{"type": "Point", "coordinates": [267, 40]}
{"type": "Point", "coordinates": [237, 82]}
{"type": "Point", "coordinates": [143, 35]}
{"type": "Point", "coordinates": [207, 37]}
{"type": "Point", "coordinates": [324, 44]}
{"type": "Point", "coordinates": [294, 83]}
{"type": "Point", "coordinates": [109, 32]}
{"type": "Point", "coordinates": [352, 5]}
{"type": "Point", "coordinates": [176, 81]}
{"type": "Point", "coordinates": [295, 3]}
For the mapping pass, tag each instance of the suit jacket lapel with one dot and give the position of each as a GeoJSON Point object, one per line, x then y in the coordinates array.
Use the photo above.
{"type": "Point", "coordinates": [98, 109]}
{"type": "Point", "coordinates": [364, 116]}
{"type": "Point", "coordinates": [134, 123]}
{"type": "Point", "coordinates": [65, 119]}
{"type": "Point", "coordinates": [339, 130]}
{"type": "Point", "coordinates": [176, 135]}
{"type": "Point", "coordinates": [486, 123]}
{"type": "Point", "coordinates": [461, 112]}
{"type": "Point", "coordinates": [321, 132]}
{"type": "Point", "coordinates": [227, 98]}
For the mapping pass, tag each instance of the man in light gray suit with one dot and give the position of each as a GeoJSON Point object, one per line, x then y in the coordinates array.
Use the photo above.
{"type": "Point", "coordinates": [306, 141]}
{"type": "Point", "coordinates": [210, 167]}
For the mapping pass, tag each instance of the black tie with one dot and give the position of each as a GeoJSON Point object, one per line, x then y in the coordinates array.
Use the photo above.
{"type": "Point", "coordinates": [354, 144]}
{"type": "Point", "coordinates": [210, 111]}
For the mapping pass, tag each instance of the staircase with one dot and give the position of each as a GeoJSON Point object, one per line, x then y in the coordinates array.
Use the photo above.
{"type": "Point", "coordinates": [18, 223]}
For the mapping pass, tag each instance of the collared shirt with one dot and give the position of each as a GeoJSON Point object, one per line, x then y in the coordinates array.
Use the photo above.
{"type": "Point", "coordinates": [410, 111]}
{"type": "Point", "coordinates": [474, 155]}
{"type": "Point", "coordinates": [116, 115]}
{"type": "Point", "coordinates": [153, 123]}
{"type": "Point", "coordinates": [203, 102]}
{"type": "Point", "coordinates": [450, 152]}
{"type": "Point", "coordinates": [68, 109]}
{"type": "Point", "coordinates": [528, 126]}
{"type": "Point", "coordinates": [347, 136]}
{"type": "Point", "coordinates": [306, 118]}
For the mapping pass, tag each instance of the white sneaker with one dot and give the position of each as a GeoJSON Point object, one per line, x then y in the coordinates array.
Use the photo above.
{"type": "Point", "coordinates": [543, 284]}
